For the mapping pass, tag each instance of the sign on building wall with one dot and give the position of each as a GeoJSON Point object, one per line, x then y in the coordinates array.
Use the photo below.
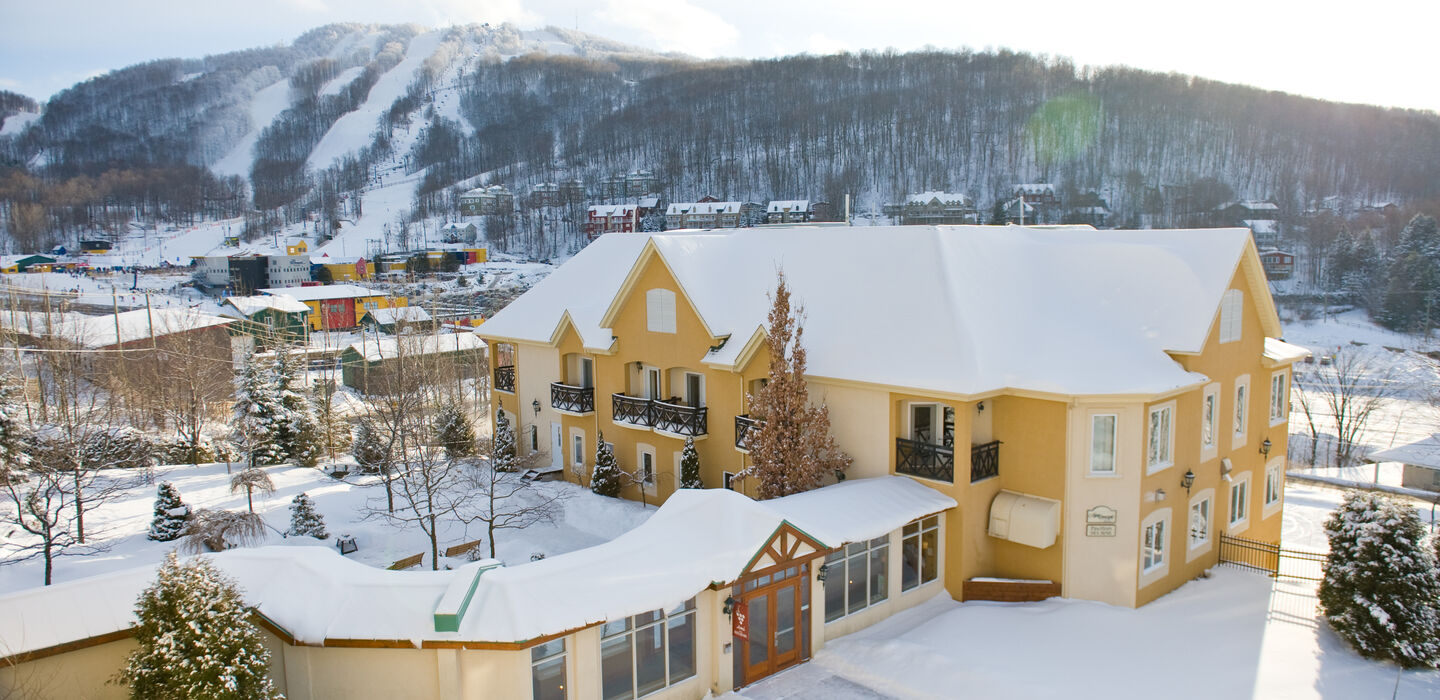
{"type": "Point", "coordinates": [740, 620]}
{"type": "Point", "coordinates": [1100, 522]}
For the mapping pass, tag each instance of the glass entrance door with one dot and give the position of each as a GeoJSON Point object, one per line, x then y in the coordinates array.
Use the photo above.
{"type": "Point", "coordinates": [777, 616]}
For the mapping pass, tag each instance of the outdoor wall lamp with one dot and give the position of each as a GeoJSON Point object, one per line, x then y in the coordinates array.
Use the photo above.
{"type": "Point", "coordinates": [980, 407]}
{"type": "Point", "coordinates": [729, 604]}
{"type": "Point", "coordinates": [822, 572]}
{"type": "Point", "coordinates": [1187, 481]}
{"type": "Point", "coordinates": [535, 404]}
{"type": "Point", "coordinates": [1265, 447]}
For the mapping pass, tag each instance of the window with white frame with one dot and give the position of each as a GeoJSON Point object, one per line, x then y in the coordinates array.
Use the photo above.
{"type": "Point", "coordinates": [1102, 443]}
{"type": "Point", "coordinates": [856, 577]}
{"type": "Point", "coordinates": [1152, 544]}
{"type": "Point", "coordinates": [1200, 510]}
{"type": "Point", "coordinates": [660, 311]}
{"type": "Point", "coordinates": [920, 552]}
{"type": "Point", "coordinates": [1232, 307]}
{"type": "Point", "coordinates": [547, 670]}
{"type": "Point", "coordinates": [1240, 501]}
{"type": "Point", "coordinates": [1274, 484]}
{"type": "Point", "coordinates": [648, 652]}
{"type": "Point", "coordinates": [577, 450]}
{"type": "Point", "coordinates": [1161, 437]}
{"type": "Point", "coordinates": [1209, 412]}
{"type": "Point", "coordinates": [728, 480]}
{"type": "Point", "coordinates": [1279, 398]}
{"type": "Point", "coordinates": [1242, 411]}
{"type": "Point", "coordinates": [647, 468]}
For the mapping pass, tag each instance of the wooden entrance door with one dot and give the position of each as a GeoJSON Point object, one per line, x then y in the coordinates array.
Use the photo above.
{"type": "Point", "coordinates": [778, 607]}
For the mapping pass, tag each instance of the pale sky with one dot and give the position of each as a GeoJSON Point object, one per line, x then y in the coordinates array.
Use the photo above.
{"type": "Point", "coordinates": [1376, 52]}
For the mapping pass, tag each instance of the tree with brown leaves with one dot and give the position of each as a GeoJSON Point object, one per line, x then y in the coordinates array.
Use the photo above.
{"type": "Point", "coordinates": [792, 448]}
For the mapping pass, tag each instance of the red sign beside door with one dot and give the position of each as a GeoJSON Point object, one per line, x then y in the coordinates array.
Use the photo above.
{"type": "Point", "coordinates": [740, 620]}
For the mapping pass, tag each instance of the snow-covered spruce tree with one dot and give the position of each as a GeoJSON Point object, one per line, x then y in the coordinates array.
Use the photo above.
{"type": "Point", "coordinates": [454, 432]}
{"type": "Point", "coordinates": [298, 431]}
{"type": "Point", "coordinates": [690, 466]}
{"type": "Point", "coordinates": [256, 428]}
{"type": "Point", "coordinates": [792, 450]}
{"type": "Point", "coordinates": [1380, 591]}
{"type": "Point", "coordinates": [371, 452]}
{"type": "Point", "coordinates": [170, 514]}
{"type": "Point", "coordinates": [607, 478]}
{"type": "Point", "coordinates": [196, 640]}
{"type": "Point", "coordinates": [502, 452]}
{"type": "Point", "coordinates": [13, 432]}
{"type": "Point", "coordinates": [305, 521]}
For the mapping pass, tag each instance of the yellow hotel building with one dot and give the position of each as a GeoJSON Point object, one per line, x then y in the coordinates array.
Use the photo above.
{"type": "Point", "coordinates": [1101, 405]}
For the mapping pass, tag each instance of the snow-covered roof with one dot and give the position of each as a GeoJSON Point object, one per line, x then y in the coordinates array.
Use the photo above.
{"type": "Point", "coordinates": [677, 208]}
{"type": "Point", "coordinates": [612, 209]}
{"type": "Point", "coordinates": [1424, 453]}
{"type": "Point", "coordinates": [1262, 225]}
{"type": "Point", "coordinates": [1256, 205]}
{"type": "Point", "coordinates": [323, 291]}
{"type": "Point", "coordinates": [1064, 310]}
{"type": "Point", "coordinates": [697, 538]}
{"type": "Point", "coordinates": [396, 314]}
{"type": "Point", "coordinates": [778, 206]}
{"type": "Point", "coordinates": [328, 259]}
{"type": "Point", "coordinates": [388, 347]}
{"type": "Point", "coordinates": [101, 331]}
{"type": "Point", "coordinates": [1278, 351]}
{"type": "Point", "coordinates": [251, 305]}
{"type": "Point", "coordinates": [927, 197]}
{"type": "Point", "coordinates": [649, 202]}
{"type": "Point", "coordinates": [1035, 188]}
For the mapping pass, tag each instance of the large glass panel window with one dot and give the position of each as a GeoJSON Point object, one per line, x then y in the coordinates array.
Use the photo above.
{"type": "Point", "coordinates": [856, 577]}
{"type": "Point", "coordinates": [920, 551]}
{"type": "Point", "coordinates": [547, 670]}
{"type": "Point", "coordinates": [1102, 444]}
{"type": "Point", "coordinates": [1161, 439]}
{"type": "Point", "coordinates": [645, 653]}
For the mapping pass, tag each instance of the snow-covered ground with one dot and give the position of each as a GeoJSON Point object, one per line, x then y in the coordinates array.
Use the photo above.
{"type": "Point", "coordinates": [1238, 635]}
{"type": "Point", "coordinates": [122, 525]}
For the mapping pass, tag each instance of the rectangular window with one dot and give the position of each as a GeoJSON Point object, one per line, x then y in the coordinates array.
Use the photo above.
{"type": "Point", "coordinates": [660, 311]}
{"type": "Point", "coordinates": [1199, 523]}
{"type": "Point", "coordinates": [919, 552]}
{"type": "Point", "coordinates": [1239, 501]}
{"type": "Point", "coordinates": [1152, 553]}
{"type": "Point", "coordinates": [856, 577]}
{"type": "Point", "coordinates": [1161, 437]}
{"type": "Point", "coordinates": [1242, 410]}
{"type": "Point", "coordinates": [1232, 307]}
{"type": "Point", "coordinates": [1274, 482]}
{"type": "Point", "coordinates": [587, 373]}
{"type": "Point", "coordinates": [1279, 399]}
{"type": "Point", "coordinates": [1102, 444]}
{"type": "Point", "coordinates": [729, 480]}
{"type": "Point", "coordinates": [547, 670]}
{"type": "Point", "coordinates": [645, 653]}
{"type": "Point", "coordinates": [1209, 409]}
{"type": "Point", "coordinates": [577, 450]}
{"type": "Point", "coordinates": [647, 468]}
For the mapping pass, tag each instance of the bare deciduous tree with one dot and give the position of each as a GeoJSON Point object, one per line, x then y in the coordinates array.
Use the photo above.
{"type": "Point", "coordinates": [251, 479]}
{"type": "Point", "coordinates": [1351, 388]}
{"type": "Point", "coordinates": [507, 500]}
{"type": "Point", "coordinates": [217, 530]}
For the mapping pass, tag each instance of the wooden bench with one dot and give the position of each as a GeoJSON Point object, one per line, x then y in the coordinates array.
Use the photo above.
{"type": "Point", "coordinates": [461, 548]}
{"type": "Point", "coordinates": [408, 562]}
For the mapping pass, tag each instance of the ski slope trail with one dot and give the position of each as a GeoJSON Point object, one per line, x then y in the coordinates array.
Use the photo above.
{"type": "Point", "coordinates": [267, 104]}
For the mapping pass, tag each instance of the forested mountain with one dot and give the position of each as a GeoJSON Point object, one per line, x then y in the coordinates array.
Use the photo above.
{"type": "Point", "coordinates": [309, 124]}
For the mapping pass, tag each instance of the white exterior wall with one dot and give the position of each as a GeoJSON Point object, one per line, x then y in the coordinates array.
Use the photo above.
{"type": "Point", "coordinates": [287, 270]}
{"type": "Point", "coordinates": [535, 367]}
{"type": "Point", "coordinates": [215, 270]}
{"type": "Point", "coordinates": [1103, 568]}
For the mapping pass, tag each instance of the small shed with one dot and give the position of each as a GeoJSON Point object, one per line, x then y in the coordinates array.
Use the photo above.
{"type": "Point", "coordinates": [285, 317]}
{"type": "Point", "coordinates": [389, 320]}
{"type": "Point", "coordinates": [397, 364]}
{"type": "Point", "coordinates": [1421, 462]}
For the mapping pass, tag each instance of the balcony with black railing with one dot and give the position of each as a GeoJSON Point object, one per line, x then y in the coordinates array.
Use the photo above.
{"type": "Point", "coordinates": [929, 461]}
{"type": "Point", "coordinates": [744, 427]}
{"type": "Point", "coordinates": [665, 417]}
{"type": "Point", "coordinates": [505, 378]}
{"type": "Point", "coordinates": [572, 399]}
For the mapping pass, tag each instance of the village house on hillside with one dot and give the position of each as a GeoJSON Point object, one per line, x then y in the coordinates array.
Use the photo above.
{"type": "Point", "coordinates": [481, 201]}
{"type": "Point", "coordinates": [281, 317]}
{"type": "Point", "coordinates": [788, 211]}
{"type": "Point", "coordinates": [709, 213]}
{"type": "Point", "coordinates": [336, 307]}
{"type": "Point", "coordinates": [1100, 429]}
{"type": "Point", "coordinates": [932, 209]}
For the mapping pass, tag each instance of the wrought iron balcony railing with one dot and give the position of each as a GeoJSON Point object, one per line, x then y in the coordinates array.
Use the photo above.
{"type": "Point", "coordinates": [667, 417]}
{"type": "Point", "coordinates": [744, 426]}
{"type": "Point", "coordinates": [984, 461]}
{"type": "Point", "coordinates": [505, 378]}
{"type": "Point", "coordinates": [924, 460]}
{"type": "Point", "coordinates": [572, 399]}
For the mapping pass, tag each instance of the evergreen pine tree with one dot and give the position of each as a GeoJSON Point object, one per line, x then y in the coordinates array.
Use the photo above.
{"type": "Point", "coordinates": [791, 448]}
{"type": "Point", "coordinates": [12, 428]}
{"type": "Point", "coordinates": [195, 639]}
{"type": "Point", "coordinates": [305, 521]}
{"type": "Point", "coordinates": [256, 428]}
{"type": "Point", "coordinates": [607, 478]}
{"type": "Point", "coordinates": [503, 458]}
{"type": "Point", "coordinates": [690, 466]}
{"type": "Point", "coordinates": [1380, 590]}
{"type": "Point", "coordinates": [454, 432]}
{"type": "Point", "coordinates": [298, 432]}
{"type": "Point", "coordinates": [170, 514]}
{"type": "Point", "coordinates": [1412, 298]}
{"type": "Point", "coordinates": [370, 449]}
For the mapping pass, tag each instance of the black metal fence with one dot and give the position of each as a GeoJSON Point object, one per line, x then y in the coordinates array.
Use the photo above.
{"type": "Point", "coordinates": [984, 461]}
{"type": "Point", "coordinates": [505, 378]}
{"type": "Point", "coordinates": [668, 417]}
{"type": "Point", "coordinates": [1271, 559]}
{"type": "Point", "coordinates": [744, 424]}
{"type": "Point", "coordinates": [924, 460]}
{"type": "Point", "coordinates": [573, 399]}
